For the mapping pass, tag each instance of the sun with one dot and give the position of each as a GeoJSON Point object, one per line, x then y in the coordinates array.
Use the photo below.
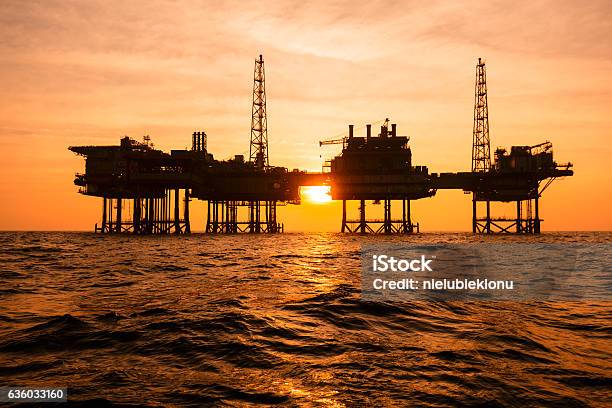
{"type": "Point", "coordinates": [316, 194]}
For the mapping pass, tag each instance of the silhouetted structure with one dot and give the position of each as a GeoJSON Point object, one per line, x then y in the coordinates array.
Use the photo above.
{"type": "Point", "coordinates": [141, 187]}
{"type": "Point", "coordinates": [481, 145]}
{"type": "Point", "coordinates": [147, 191]}
{"type": "Point", "coordinates": [223, 215]}
{"type": "Point", "coordinates": [377, 168]}
{"type": "Point", "coordinates": [259, 120]}
{"type": "Point", "coordinates": [522, 170]}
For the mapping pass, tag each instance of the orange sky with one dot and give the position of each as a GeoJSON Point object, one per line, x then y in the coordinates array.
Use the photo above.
{"type": "Point", "coordinates": [77, 72]}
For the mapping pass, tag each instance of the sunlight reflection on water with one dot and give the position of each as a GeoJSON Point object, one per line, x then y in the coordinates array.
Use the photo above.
{"type": "Point", "coordinates": [202, 320]}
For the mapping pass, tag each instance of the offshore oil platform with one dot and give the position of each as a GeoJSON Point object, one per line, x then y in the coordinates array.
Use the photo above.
{"type": "Point", "coordinates": [147, 191]}
{"type": "Point", "coordinates": [377, 168]}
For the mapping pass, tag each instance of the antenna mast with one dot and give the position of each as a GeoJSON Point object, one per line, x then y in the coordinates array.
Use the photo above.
{"type": "Point", "coordinates": [259, 121]}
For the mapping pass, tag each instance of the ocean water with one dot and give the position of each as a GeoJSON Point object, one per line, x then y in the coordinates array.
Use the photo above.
{"type": "Point", "coordinates": [242, 320]}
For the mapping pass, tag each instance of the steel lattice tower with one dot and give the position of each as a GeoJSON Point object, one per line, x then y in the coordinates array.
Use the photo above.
{"type": "Point", "coordinates": [481, 146]}
{"type": "Point", "coordinates": [259, 121]}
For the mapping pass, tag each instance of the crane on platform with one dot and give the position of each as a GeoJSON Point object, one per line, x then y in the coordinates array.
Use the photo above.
{"type": "Point", "coordinates": [342, 141]}
{"type": "Point", "coordinates": [540, 147]}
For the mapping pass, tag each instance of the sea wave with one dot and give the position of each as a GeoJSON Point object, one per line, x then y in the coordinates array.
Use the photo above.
{"type": "Point", "coordinates": [130, 321]}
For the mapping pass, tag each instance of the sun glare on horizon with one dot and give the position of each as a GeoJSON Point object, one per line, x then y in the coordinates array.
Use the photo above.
{"type": "Point", "coordinates": [316, 194]}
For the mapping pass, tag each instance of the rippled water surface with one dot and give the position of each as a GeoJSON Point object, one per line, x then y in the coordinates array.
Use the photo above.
{"type": "Point", "coordinates": [238, 320]}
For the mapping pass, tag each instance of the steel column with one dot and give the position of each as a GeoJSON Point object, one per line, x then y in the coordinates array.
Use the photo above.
{"type": "Point", "coordinates": [537, 216]}
{"type": "Point", "coordinates": [119, 215]}
{"type": "Point", "coordinates": [343, 216]}
{"type": "Point", "coordinates": [362, 217]}
{"type": "Point", "coordinates": [518, 217]}
{"type": "Point", "coordinates": [104, 214]}
{"type": "Point", "coordinates": [186, 210]}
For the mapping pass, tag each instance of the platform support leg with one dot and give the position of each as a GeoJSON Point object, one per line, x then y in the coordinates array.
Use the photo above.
{"type": "Point", "coordinates": [343, 229]}
{"type": "Point", "coordinates": [409, 215]}
{"type": "Point", "coordinates": [228, 217]}
{"type": "Point", "coordinates": [271, 216]}
{"type": "Point", "coordinates": [109, 216]}
{"type": "Point", "coordinates": [362, 216]}
{"type": "Point", "coordinates": [177, 214]}
{"type": "Point", "coordinates": [145, 227]}
{"type": "Point", "coordinates": [186, 213]}
{"type": "Point", "coordinates": [235, 217]}
{"type": "Point", "coordinates": [216, 216]}
{"type": "Point", "coordinates": [404, 225]}
{"type": "Point", "coordinates": [151, 213]}
{"type": "Point", "coordinates": [104, 204]}
{"type": "Point", "coordinates": [488, 225]}
{"type": "Point", "coordinates": [518, 217]}
{"type": "Point", "coordinates": [537, 216]}
{"type": "Point", "coordinates": [408, 228]}
{"type": "Point", "coordinates": [251, 217]}
{"type": "Point", "coordinates": [136, 216]}
{"type": "Point", "coordinates": [387, 217]}
{"type": "Point", "coordinates": [119, 215]}
{"type": "Point", "coordinates": [474, 219]}
{"type": "Point", "coordinates": [223, 227]}
{"type": "Point", "coordinates": [208, 216]}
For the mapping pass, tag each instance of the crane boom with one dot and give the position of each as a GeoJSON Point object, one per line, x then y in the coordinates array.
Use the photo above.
{"type": "Point", "coordinates": [332, 141]}
{"type": "Point", "coordinates": [540, 147]}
